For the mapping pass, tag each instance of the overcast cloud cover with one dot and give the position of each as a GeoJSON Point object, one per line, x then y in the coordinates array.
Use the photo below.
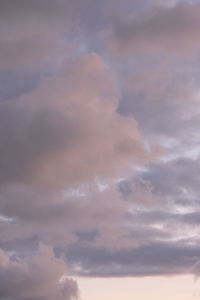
{"type": "Point", "coordinates": [99, 142]}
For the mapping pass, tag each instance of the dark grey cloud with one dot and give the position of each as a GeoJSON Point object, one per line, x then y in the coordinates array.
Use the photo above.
{"type": "Point", "coordinates": [153, 259]}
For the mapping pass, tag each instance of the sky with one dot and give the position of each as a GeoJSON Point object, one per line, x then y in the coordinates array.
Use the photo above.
{"type": "Point", "coordinates": [99, 149]}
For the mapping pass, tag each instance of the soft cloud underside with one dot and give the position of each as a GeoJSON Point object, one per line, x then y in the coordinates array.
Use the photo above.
{"type": "Point", "coordinates": [99, 143]}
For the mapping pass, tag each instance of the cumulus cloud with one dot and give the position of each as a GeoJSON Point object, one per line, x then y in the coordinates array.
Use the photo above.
{"type": "Point", "coordinates": [59, 139]}
{"type": "Point", "coordinates": [40, 276]}
{"type": "Point", "coordinates": [68, 130]}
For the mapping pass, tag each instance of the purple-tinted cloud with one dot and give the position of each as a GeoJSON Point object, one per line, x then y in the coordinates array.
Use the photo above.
{"type": "Point", "coordinates": [171, 30]}
{"type": "Point", "coordinates": [99, 142]}
{"type": "Point", "coordinates": [39, 277]}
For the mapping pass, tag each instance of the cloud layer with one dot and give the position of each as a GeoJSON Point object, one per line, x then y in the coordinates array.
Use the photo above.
{"type": "Point", "coordinates": [162, 29]}
{"type": "Point", "coordinates": [99, 143]}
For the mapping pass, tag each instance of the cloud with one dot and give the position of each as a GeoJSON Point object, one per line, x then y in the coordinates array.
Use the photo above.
{"type": "Point", "coordinates": [51, 217]}
{"type": "Point", "coordinates": [14, 84]}
{"type": "Point", "coordinates": [162, 232]}
{"type": "Point", "coordinates": [181, 171]}
{"type": "Point", "coordinates": [148, 260]}
{"type": "Point", "coordinates": [41, 276]}
{"type": "Point", "coordinates": [78, 167]}
{"type": "Point", "coordinates": [37, 35]}
{"type": "Point", "coordinates": [68, 130]}
{"type": "Point", "coordinates": [34, 35]}
{"type": "Point", "coordinates": [170, 91]}
{"type": "Point", "coordinates": [163, 29]}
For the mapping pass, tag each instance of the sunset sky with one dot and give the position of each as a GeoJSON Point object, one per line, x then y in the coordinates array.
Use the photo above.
{"type": "Point", "coordinates": [99, 149]}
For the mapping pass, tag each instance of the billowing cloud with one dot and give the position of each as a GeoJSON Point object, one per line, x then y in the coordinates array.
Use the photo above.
{"type": "Point", "coordinates": [89, 89]}
{"type": "Point", "coordinates": [40, 276]}
{"type": "Point", "coordinates": [60, 139]}
{"type": "Point", "coordinates": [68, 130]}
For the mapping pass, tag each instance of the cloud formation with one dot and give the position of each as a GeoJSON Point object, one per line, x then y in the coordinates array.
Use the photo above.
{"type": "Point", "coordinates": [166, 29]}
{"type": "Point", "coordinates": [99, 142]}
{"type": "Point", "coordinates": [68, 130]}
{"type": "Point", "coordinates": [39, 277]}
{"type": "Point", "coordinates": [32, 33]}
{"type": "Point", "coordinates": [148, 260]}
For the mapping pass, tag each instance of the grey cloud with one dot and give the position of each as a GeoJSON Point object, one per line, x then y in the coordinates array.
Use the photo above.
{"type": "Point", "coordinates": [162, 94]}
{"type": "Point", "coordinates": [153, 259]}
{"type": "Point", "coordinates": [61, 136]}
{"type": "Point", "coordinates": [36, 277]}
{"type": "Point", "coordinates": [165, 90]}
{"type": "Point", "coordinates": [175, 178]}
{"type": "Point", "coordinates": [163, 218]}
{"type": "Point", "coordinates": [41, 130]}
{"type": "Point", "coordinates": [14, 84]}
{"type": "Point", "coordinates": [65, 142]}
{"type": "Point", "coordinates": [21, 247]}
{"type": "Point", "coordinates": [35, 34]}
{"type": "Point", "coordinates": [32, 33]}
{"type": "Point", "coordinates": [52, 217]}
{"type": "Point", "coordinates": [173, 29]}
